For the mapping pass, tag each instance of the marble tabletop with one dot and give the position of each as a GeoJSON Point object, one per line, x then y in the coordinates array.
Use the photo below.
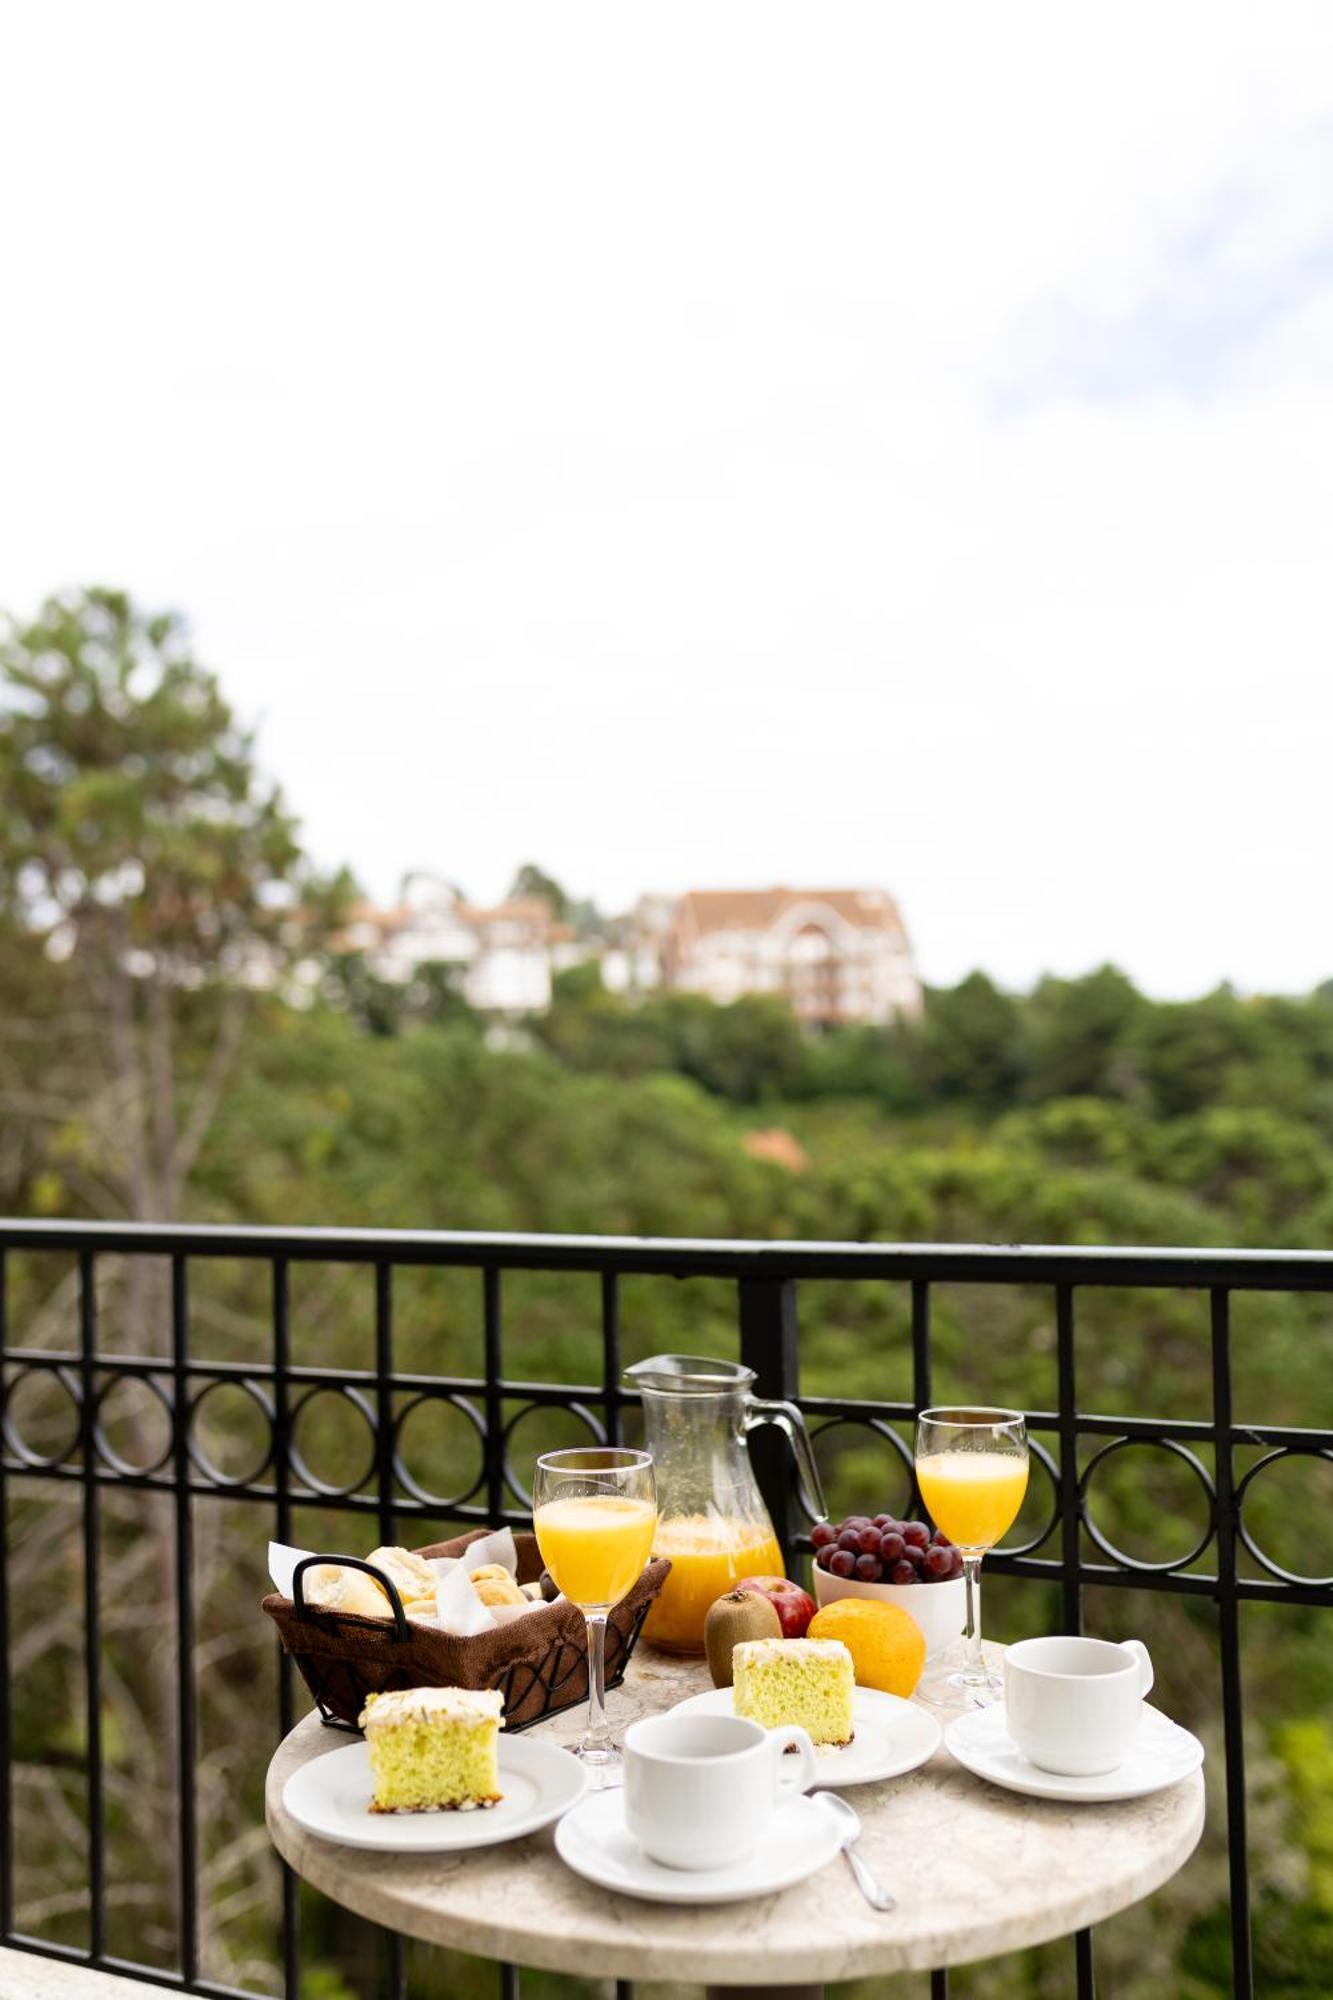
{"type": "Point", "coordinates": [977, 1871]}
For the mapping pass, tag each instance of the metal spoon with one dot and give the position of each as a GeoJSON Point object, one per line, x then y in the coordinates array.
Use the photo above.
{"type": "Point", "coordinates": [878, 1898]}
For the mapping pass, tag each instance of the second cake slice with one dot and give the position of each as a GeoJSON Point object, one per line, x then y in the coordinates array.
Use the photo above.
{"type": "Point", "coordinates": [808, 1682]}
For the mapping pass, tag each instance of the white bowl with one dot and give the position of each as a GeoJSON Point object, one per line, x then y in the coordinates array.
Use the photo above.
{"type": "Point", "coordinates": [940, 1609]}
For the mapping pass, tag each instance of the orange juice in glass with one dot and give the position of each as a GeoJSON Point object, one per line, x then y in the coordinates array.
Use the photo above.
{"type": "Point", "coordinates": [972, 1469]}
{"type": "Point", "coordinates": [973, 1497]}
{"type": "Point", "coordinates": [709, 1555]}
{"type": "Point", "coordinates": [594, 1512]}
{"type": "Point", "coordinates": [596, 1545]}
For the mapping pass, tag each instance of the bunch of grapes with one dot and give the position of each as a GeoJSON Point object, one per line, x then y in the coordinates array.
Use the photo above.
{"type": "Point", "coordinates": [882, 1550]}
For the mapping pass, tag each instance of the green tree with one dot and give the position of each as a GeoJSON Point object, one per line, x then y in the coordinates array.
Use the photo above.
{"type": "Point", "coordinates": [867, 1063]}
{"type": "Point", "coordinates": [431, 996]}
{"type": "Point", "coordinates": [144, 859]}
{"type": "Point", "coordinates": [1185, 1053]}
{"type": "Point", "coordinates": [972, 1042]}
{"type": "Point", "coordinates": [532, 883]}
{"type": "Point", "coordinates": [1077, 1030]}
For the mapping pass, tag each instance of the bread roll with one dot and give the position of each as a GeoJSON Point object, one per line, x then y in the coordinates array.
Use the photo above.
{"type": "Point", "coordinates": [494, 1585]}
{"type": "Point", "coordinates": [334, 1588]}
{"type": "Point", "coordinates": [410, 1574]}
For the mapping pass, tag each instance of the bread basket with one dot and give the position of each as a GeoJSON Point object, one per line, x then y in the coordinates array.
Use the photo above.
{"type": "Point", "coordinates": [539, 1663]}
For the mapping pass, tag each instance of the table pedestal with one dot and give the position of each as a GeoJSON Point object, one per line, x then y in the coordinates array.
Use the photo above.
{"type": "Point", "coordinates": [776, 1992]}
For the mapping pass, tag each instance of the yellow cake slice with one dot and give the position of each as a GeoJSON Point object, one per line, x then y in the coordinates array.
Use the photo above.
{"type": "Point", "coordinates": [809, 1682]}
{"type": "Point", "coordinates": [433, 1749]}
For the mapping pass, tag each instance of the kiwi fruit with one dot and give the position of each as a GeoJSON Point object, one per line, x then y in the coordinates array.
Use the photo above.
{"type": "Point", "coordinates": [741, 1614]}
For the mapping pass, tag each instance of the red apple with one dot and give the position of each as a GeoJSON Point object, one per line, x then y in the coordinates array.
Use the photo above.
{"type": "Point", "coordinates": [795, 1607]}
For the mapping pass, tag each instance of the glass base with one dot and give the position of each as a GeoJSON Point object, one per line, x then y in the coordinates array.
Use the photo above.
{"type": "Point", "coordinates": [957, 1687]}
{"type": "Point", "coordinates": [603, 1761]}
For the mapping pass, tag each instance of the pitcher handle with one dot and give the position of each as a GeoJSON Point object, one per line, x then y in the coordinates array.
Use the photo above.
{"type": "Point", "coordinates": [789, 1420]}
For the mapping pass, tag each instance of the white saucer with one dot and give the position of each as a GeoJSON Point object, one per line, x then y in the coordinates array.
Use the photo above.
{"type": "Point", "coordinates": [1163, 1753]}
{"type": "Point", "coordinates": [892, 1736]}
{"type": "Point", "coordinates": [330, 1796]}
{"type": "Point", "coordinates": [798, 1837]}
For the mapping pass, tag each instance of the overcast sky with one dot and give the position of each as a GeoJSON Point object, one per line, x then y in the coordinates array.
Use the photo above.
{"type": "Point", "coordinates": [717, 445]}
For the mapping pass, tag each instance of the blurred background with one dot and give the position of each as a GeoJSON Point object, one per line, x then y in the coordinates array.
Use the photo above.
{"type": "Point", "coordinates": [695, 624]}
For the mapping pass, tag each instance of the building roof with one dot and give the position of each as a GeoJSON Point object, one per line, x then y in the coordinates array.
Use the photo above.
{"type": "Point", "coordinates": [759, 909]}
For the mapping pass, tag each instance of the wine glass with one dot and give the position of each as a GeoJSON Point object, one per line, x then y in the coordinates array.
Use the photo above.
{"type": "Point", "coordinates": [972, 1469]}
{"type": "Point", "coordinates": [594, 1512]}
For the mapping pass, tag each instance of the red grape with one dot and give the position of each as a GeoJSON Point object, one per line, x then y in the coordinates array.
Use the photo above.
{"type": "Point", "coordinates": [941, 1540]}
{"type": "Point", "coordinates": [823, 1535]}
{"type": "Point", "coordinates": [841, 1562]}
{"type": "Point", "coordinates": [916, 1534]}
{"type": "Point", "coordinates": [903, 1572]}
{"type": "Point", "coordinates": [825, 1556]}
{"type": "Point", "coordinates": [850, 1539]}
{"type": "Point", "coordinates": [883, 1520]}
{"type": "Point", "coordinates": [891, 1546]}
{"type": "Point", "coordinates": [868, 1541]}
{"type": "Point", "coordinates": [958, 1562]}
{"type": "Point", "coordinates": [868, 1569]}
{"type": "Point", "coordinates": [938, 1564]}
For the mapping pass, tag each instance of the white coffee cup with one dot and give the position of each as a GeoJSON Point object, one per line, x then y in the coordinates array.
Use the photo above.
{"type": "Point", "coordinates": [699, 1789]}
{"type": "Point", "coordinates": [1073, 1705]}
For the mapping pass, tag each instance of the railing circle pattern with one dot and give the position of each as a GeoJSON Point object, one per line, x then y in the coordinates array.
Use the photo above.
{"type": "Point", "coordinates": [117, 1388]}
{"type": "Point", "coordinates": [296, 1458]}
{"type": "Point", "coordinates": [67, 1382]}
{"type": "Point", "coordinates": [1244, 1492]}
{"type": "Point", "coordinates": [879, 1427]}
{"type": "Point", "coordinates": [1121, 1557]}
{"type": "Point", "coordinates": [591, 1422]}
{"type": "Point", "coordinates": [254, 1393]}
{"type": "Point", "coordinates": [407, 1480]}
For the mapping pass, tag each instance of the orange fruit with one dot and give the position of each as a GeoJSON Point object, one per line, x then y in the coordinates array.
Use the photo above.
{"type": "Point", "coordinates": [887, 1646]}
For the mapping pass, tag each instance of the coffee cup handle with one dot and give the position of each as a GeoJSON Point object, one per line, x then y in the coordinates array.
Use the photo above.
{"type": "Point", "coordinates": [795, 1774]}
{"type": "Point", "coordinates": [1138, 1651]}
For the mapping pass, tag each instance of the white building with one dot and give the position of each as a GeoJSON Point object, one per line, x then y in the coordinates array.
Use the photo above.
{"type": "Point", "coordinates": [837, 955]}
{"type": "Point", "coordinates": [503, 955]}
{"type": "Point", "coordinates": [632, 959]}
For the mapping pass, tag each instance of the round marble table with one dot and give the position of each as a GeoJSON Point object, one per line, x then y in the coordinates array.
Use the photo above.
{"type": "Point", "coordinates": [977, 1871]}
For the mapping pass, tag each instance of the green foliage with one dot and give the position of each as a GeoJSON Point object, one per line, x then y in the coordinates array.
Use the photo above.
{"type": "Point", "coordinates": [972, 1043]}
{"type": "Point", "coordinates": [577, 985]}
{"type": "Point", "coordinates": [133, 818]}
{"type": "Point", "coordinates": [532, 882]}
{"type": "Point", "coordinates": [747, 1052]}
{"type": "Point", "coordinates": [149, 879]}
{"type": "Point", "coordinates": [431, 997]}
{"type": "Point", "coordinates": [1077, 1035]}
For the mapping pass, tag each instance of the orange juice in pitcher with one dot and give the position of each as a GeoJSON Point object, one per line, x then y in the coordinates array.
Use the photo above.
{"type": "Point", "coordinates": [712, 1523]}
{"type": "Point", "coordinates": [708, 1556]}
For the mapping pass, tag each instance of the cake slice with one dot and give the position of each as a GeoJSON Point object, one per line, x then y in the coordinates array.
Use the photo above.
{"type": "Point", "coordinates": [433, 1749]}
{"type": "Point", "coordinates": [809, 1682]}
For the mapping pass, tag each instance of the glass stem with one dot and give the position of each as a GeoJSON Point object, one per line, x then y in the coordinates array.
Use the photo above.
{"type": "Point", "coordinates": [599, 1734]}
{"type": "Point", "coordinates": [973, 1663]}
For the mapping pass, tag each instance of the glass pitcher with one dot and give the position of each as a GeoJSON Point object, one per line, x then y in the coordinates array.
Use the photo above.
{"type": "Point", "coordinates": [712, 1522]}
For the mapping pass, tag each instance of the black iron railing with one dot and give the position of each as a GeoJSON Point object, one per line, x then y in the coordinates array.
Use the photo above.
{"type": "Point", "coordinates": [1069, 1550]}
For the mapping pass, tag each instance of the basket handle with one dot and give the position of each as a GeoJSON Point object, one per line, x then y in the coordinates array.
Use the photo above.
{"type": "Point", "coordinates": [400, 1631]}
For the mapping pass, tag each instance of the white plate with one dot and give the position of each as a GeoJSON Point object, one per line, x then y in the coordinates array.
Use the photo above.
{"type": "Point", "coordinates": [892, 1736]}
{"type": "Point", "coordinates": [798, 1837]}
{"type": "Point", "coordinates": [330, 1796]}
{"type": "Point", "coordinates": [1162, 1755]}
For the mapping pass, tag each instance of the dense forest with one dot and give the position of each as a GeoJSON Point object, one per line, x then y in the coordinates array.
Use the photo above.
{"type": "Point", "coordinates": [144, 1072]}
